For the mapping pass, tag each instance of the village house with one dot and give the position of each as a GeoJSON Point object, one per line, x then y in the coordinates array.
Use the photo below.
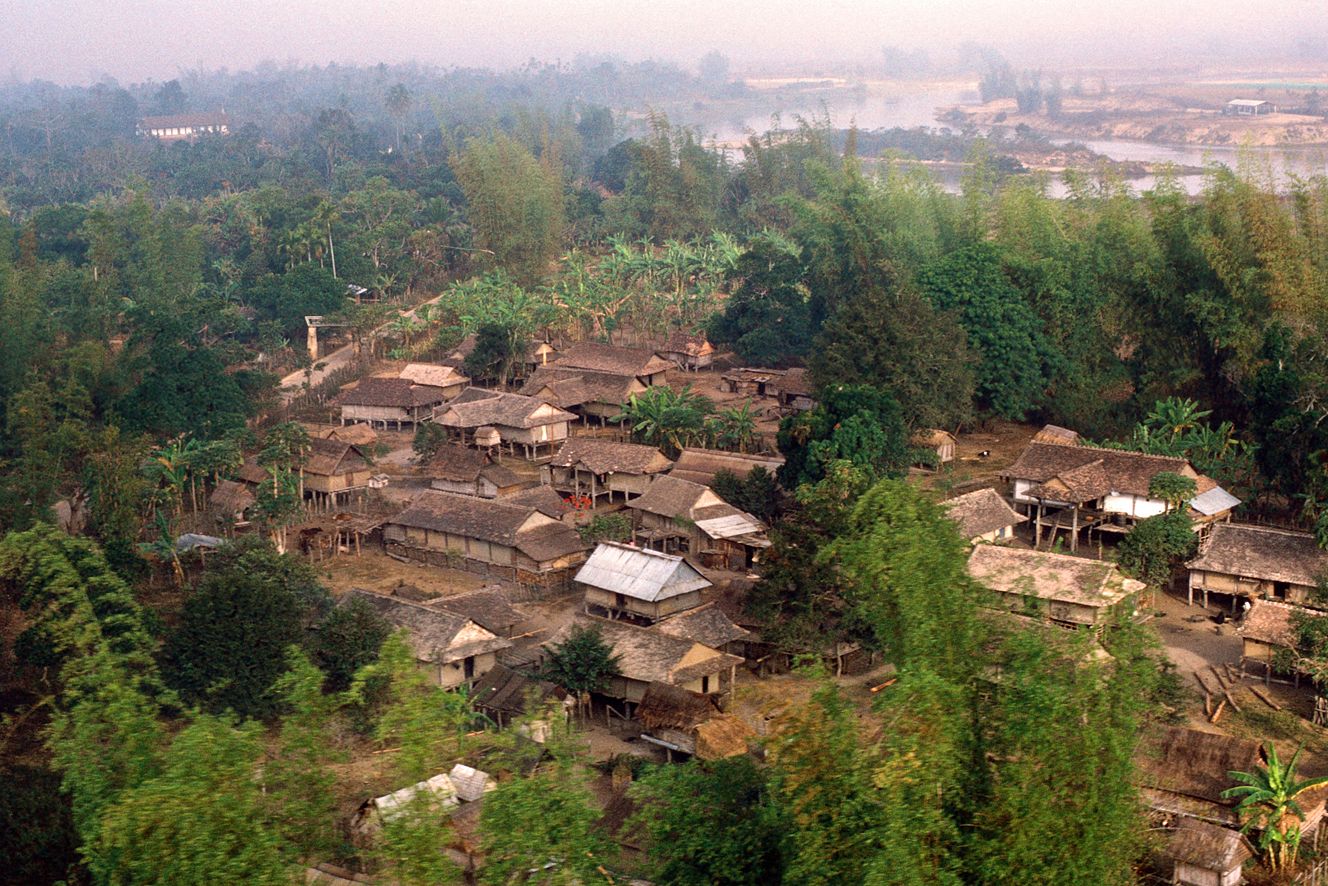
{"type": "Point", "coordinates": [708, 625]}
{"type": "Point", "coordinates": [1068, 590]}
{"type": "Point", "coordinates": [647, 656]}
{"type": "Point", "coordinates": [333, 470]}
{"type": "Point", "coordinates": [691, 352]}
{"type": "Point", "coordinates": [447, 379]}
{"type": "Point", "coordinates": [639, 363]}
{"type": "Point", "coordinates": [490, 537]}
{"type": "Point", "coordinates": [453, 649]}
{"type": "Point", "coordinates": [1073, 488]}
{"type": "Point", "coordinates": [1239, 562]}
{"type": "Point", "coordinates": [586, 466]}
{"type": "Point", "coordinates": [676, 516]}
{"type": "Point", "coordinates": [1268, 638]}
{"type": "Point", "coordinates": [626, 583]}
{"type": "Point", "coordinates": [180, 127]}
{"type": "Point", "coordinates": [940, 445]}
{"type": "Point", "coordinates": [587, 395]}
{"type": "Point", "coordinates": [1183, 773]}
{"type": "Point", "coordinates": [701, 465]}
{"type": "Point", "coordinates": [389, 402]}
{"type": "Point", "coordinates": [466, 471]}
{"type": "Point", "coordinates": [513, 420]}
{"type": "Point", "coordinates": [983, 516]}
{"type": "Point", "coordinates": [685, 722]}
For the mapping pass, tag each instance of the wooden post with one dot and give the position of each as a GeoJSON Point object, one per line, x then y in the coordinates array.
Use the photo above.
{"type": "Point", "coordinates": [1037, 527]}
{"type": "Point", "coordinates": [1074, 529]}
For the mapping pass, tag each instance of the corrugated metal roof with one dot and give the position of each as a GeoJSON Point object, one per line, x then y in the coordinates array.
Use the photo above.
{"type": "Point", "coordinates": [471, 784]}
{"type": "Point", "coordinates": [730, 526]}
{"type": "Point", "coordinates": [440, 786]}
{"type": "Point", "coordinates": [639, 573]}
{"type": "Point", "coordinates": [1214, 501]}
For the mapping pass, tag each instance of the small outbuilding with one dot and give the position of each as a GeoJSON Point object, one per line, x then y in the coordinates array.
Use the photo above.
{"type": "Point", "coordinates": [503, 693]}
{"type": "Point", "coordinates": [638, 585]}
{"type": "Point", "coordinates": [939, 445]}
{"type": "Point", "coordinates": [1205, 854]}
{"type": "Point", "coordinates": [1268, 634]}
{"type": "Point", "coordinates": [231, 502]}
{"type": "Point", "coordinates": [689, 351]}
{"type": "Point", "coordinates": [690, 723]}
{"type": "Point", "coordinates": [1249, 107]}
{"type": "Point", "coordinates": [983, 516]}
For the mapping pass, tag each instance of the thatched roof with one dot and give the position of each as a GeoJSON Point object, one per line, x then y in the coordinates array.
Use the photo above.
{"type": "Point", "coordinates": [613, 360]}
{"type": "Point", "coordinates": [250, 471]}
{"type": "Point", "coordinates": [1082, 473]}
{"type": "Point", "coordinates": [436, 636]}
{"type": "Point", "coordinates": [434, 375]}
{"type": "Point", "coordinates": [544, 499]}
{"type": "Point", "coordinates": [796, 383]}
{"type": "Point", "coordinates": [664, 706]}
{"type": "Point", "coordinates": [639, 573]}
{"type": "Point", "coordinates": [477, 407]}
{"type": "Point", "coordinates": [1056, 434]}
{"type": "Point", "coordinates": [358, 434]}
{"type": "Point", "coordinates": [648, 656]}
{"type": "Point", "coordinates": [458, 464]}
{"type": "Point", "coordinates": [980, 512]}
{"type": "Point", "coordinates": [1262, 553]}
{"type": "Point", "coordinates": [231, 497]}
{"type": "Point", "coordinates": [1209, 846]}
{"type": "Point", "coordinates": [395, 392]}
{"type": "Point", "coordinates": [1194, 764]}
{"type": "Point", "coordinates": [610, 457]}
{"type": "Point", "coordinates": [566, 388]}
{"type": "Point", "coordinates": [505, 690]}
{"type": "Point", "coordinates": [722, 737]}
{"type": "Point", "coordinates": [669, 496]}
{"type": "Point", "coordinates": [931, 438]}
{"type": "Point", "coordinates": [494, 520]}
{"type": "Point", "coordinates": [329, 458]}
{"type": "Point", "coordinates": [707, 625]}
{"type": "Point", "coordinates": [689, 344]}
{"type": "Point", "coordinates": [701, 465]}
{"type": "Point", "coordinates": [1271, 622]}
{"type": "Point", "coordinates": [683, 500]}
{"type": "Point", "coordinates": [754, 374]}
{"type": "Point", "coordinates": [490, 609]}
{"type": "Point", "coordinates": [1057, 577]}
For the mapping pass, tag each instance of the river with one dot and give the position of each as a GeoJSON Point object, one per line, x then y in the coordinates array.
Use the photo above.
{"type": "Point", "coordinates": [883, 106]}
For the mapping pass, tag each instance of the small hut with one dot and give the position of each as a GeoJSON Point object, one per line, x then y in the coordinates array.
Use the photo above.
{"type": "Point", "coordinates": [230, 504]}
{"type": "Point", "coordinates": [1057, 435]}
{"type": "Point", "coordinates": [690, 723]}
{"type": "Point", "coordinates": [1205, 854]}
{"type": "Point", "coordinates": [940, 443]}
{"type": "Point", "coordinates": [502, 694]}
{"type": "Point", "coordinates": [1267, 634]}
{"type": "Point", "coordinates": [983, 516]}
{"type": "Point", "coordinates": [689, 352]}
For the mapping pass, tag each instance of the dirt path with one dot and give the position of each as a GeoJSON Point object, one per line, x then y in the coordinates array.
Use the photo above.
{"type": "Point", "coordinates": [293, 384]}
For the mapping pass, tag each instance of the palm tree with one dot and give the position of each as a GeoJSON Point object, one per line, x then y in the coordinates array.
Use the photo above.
{"type": "Point", "coordinates": [735, 428]}
{"type": "Point", "coordinates": [666, 418]}
{"type": "Point", "coordinates": [1268, 804]}
{"type": "Point", "coordinates": [325, 215]}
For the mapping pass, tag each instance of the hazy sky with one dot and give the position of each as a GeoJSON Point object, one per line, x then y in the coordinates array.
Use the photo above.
{"type": "Point", "coordinates": [83, 40]}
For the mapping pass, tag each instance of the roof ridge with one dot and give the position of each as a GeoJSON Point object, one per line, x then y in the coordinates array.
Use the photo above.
{"type": "Point", "coordinates": [1084, 446]}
